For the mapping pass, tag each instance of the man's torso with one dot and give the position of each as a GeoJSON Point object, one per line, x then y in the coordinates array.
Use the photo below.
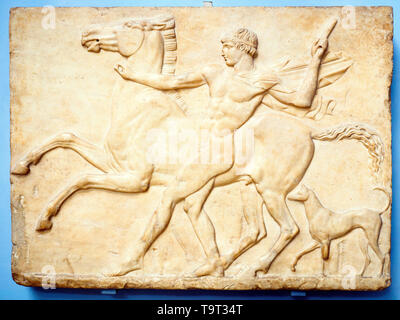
{"type": "Point", "coordinates": [234, 97]}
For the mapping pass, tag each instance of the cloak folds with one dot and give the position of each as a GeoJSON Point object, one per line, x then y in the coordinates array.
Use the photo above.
{"type": "Point", "coordinates": [332, 68]}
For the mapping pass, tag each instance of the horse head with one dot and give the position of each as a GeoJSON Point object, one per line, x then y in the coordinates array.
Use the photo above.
{"type": "Point", "coordinates": [143, 41]}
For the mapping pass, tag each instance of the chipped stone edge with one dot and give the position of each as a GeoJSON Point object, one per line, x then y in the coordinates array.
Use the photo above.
{"type": "Point", "coordinates": [19, 245]}
{"type": "Point", "coordinates": [209, 283]}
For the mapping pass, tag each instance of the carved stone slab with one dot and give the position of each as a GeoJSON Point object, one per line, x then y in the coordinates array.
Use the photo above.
{"type": "Point", "coordinates": [213, 148]}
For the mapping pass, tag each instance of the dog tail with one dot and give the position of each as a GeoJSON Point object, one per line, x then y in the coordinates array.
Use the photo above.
{"type": "Point", "coordinates": [389, 199]}
{"type": "Point", "coordinates": [357, 131]}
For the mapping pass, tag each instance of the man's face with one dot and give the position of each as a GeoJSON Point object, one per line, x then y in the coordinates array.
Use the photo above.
{"type": "Point", "coordinates": [231, 54]}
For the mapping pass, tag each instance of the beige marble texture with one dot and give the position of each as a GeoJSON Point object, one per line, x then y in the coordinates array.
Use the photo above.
{"type": "Point", "coordinates": [113, 186]}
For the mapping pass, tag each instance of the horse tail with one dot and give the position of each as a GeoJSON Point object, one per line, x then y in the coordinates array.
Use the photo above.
{"type": "Point", "coordinates": [357, 131]}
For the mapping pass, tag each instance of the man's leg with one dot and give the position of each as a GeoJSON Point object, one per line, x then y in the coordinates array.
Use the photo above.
{"type": "Point", "coordinates": [189, 179]}
{"type": "Point", "coordinates": [204, 230]}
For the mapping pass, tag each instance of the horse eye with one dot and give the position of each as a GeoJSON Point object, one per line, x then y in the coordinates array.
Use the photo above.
{"type": "Point", "coordinates": [128, 24]}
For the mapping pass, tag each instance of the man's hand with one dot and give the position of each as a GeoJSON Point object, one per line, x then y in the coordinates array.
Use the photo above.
{"type": "Point", "coordinates": [318, 48]}
{"type": "Point", "coordinates": [121, 70]}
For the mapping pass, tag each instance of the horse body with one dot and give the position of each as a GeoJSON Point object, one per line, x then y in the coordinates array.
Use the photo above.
{"type": "Point", "coordinates": [285, 144]}
{"type": "Point", "coordinates": [136, 110]}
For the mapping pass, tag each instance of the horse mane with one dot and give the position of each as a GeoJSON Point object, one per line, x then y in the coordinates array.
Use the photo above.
{"type": "Point", "coordinates": [170, 51]}
{"type": "Point", "coordinates": [166, 25]}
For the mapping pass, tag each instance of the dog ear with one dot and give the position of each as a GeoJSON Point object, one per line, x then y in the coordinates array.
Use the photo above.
{"type": "Point", "coordinates": [300, 195]}
{"type": "Point", "coordinates": [303, 188]}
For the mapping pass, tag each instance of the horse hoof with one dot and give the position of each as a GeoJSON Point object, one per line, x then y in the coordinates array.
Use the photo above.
{"type": "Point", "coordinates": [209, 269]}
{"type": "Point", "coordinates": [260, 273]}
{"type": "Point", "coordinates": [293, 268]}
{"type": "Point", "coordinates": [20, 168]}
{"type": "Point", "coordinates": [43, 224]}
{"type": "Point", "coordinates": [123, 269]}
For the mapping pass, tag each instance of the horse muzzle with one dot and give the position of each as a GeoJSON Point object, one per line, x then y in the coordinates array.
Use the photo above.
{"type": "Point", "coordinates": [92, 45]}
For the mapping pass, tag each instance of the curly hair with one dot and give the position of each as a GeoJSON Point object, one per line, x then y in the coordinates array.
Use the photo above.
{"type": "Point", "coordinates": [245, 40]}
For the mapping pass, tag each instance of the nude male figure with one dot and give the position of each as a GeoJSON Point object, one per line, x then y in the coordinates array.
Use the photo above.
{"type": "Point", "coordinates": [235, 93]}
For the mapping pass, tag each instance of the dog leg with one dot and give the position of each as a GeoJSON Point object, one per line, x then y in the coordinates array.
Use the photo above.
{"type": "Point", "coordinates": [373, 236]}
{"type": "Point", "coordinates": [379, 255]}
{"type": "Point", "coordinates": [324, 266]}
{"type": "Point", "coordinates": [367, 261]}
{"type": "Point", "coordinates": [386, 267]}
{"type": "Point", "coordinates": [325, 249]}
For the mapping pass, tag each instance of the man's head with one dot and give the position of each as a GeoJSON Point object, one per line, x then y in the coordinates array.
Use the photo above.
{"type": "Point", "coordinates": [243, 41]}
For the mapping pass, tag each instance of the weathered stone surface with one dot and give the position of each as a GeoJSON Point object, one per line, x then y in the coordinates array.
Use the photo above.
{"type": "Point", "coordinates": [122, 173]}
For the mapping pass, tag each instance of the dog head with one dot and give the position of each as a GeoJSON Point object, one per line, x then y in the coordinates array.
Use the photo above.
{"type": "Point", "coordinates": [301, 194]}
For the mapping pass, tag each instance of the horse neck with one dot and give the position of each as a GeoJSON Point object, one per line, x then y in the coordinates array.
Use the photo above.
{"type": "Point", "coordinates": [150, 56]}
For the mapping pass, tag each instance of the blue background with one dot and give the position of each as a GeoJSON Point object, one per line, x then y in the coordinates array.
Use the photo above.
{"type": "Point", "coordinates": [10, 290]}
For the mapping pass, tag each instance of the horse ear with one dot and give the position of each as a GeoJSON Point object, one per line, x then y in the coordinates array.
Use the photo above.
{"type": "Point", "coordinates": [129, 41]}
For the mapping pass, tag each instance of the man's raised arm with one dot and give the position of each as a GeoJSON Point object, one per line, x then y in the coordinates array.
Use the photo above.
{"type": "Point", "coordinates": [304, 96]}
{"type": "Point", "coordinates": [161, 81]}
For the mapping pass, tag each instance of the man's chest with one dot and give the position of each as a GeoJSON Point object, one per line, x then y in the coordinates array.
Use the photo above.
{"type": "Point", "coordinates": [237, 88]}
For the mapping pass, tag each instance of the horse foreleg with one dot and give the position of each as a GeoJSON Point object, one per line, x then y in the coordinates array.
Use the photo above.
{"type": "Point", "coordinates": [255, 229]}
{"type": "Point", "coordinates": [90, 152]}
{"type": "Point", "coordinates": [276, 205]}
{"type": "Point", "coordinates": [114, 182]}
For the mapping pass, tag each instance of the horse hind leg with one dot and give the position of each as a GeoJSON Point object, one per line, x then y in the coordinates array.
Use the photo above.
{"type": "Point", "coordinates": [129, 183]}
{"type": "Point", "coordinates": [204, 230]}
{"type": "Point", "coordinates": [90, 152]}
{"type": "Point", "coordinates": [254, 229]}
{"type": "Point", "coordinates": [276, 205]}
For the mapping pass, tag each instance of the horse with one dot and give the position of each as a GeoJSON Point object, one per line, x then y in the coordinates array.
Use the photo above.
{"type": "Point", "coordinates": [283, 148]}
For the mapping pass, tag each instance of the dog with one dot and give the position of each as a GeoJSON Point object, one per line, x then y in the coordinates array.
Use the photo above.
{"type": "Point", "coordinates": [326, 225]}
